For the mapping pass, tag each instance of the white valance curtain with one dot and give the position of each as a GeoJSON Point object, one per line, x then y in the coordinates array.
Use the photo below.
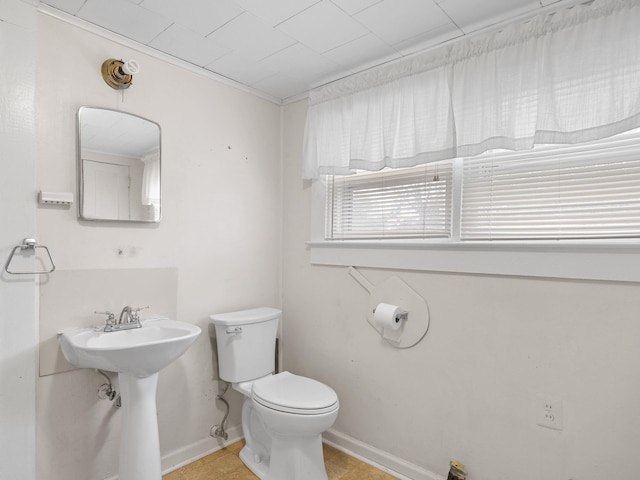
{"type": "Point", "coordinates": [568, 77]}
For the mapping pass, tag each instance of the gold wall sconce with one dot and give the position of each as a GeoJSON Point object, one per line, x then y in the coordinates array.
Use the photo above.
{"type": "Point", "coordinates": [119, 74]}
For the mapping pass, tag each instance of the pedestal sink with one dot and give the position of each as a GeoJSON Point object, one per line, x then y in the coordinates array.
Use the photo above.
{"type": "Point", "coordinates": [137, 355]}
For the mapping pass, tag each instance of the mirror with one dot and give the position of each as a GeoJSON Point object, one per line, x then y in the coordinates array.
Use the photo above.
{"type": "Point", "coordinates": [118, 166]}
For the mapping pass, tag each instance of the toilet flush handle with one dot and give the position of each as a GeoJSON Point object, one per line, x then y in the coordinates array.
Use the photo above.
{"type": "Point", "coordinates": [234, 330]}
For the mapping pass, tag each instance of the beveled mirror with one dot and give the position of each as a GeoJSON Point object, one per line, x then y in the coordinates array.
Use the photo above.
{"type": "Point", "coordinates": [118, 166]}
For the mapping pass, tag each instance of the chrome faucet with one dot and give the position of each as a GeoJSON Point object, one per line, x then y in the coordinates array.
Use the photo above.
{"type": "Point", "coordinates": [128, 319]}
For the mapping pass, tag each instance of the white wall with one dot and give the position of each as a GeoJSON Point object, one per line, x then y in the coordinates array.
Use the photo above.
{"type": "Point", "coordinates": [17, 221]}
{"type": "Point", "coordinates": [468, 390]}
{"type": "Point", "coordinates": [220, 229]}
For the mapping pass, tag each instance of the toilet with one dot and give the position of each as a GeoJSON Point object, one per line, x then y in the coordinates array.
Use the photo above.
{"type": "Point", "coordinates": [283, 415]}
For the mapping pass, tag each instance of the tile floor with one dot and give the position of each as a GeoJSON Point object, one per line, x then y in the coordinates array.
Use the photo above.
{"type": "Point", "coordinates": [225, 464]}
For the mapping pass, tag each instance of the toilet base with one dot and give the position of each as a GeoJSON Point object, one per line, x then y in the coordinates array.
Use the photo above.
{"type": "Point", "coordinates": [296, 458]}
{"type": "Point", "coordinates": [259, 466]}
{"type": "Point", "coordinates": [291, 459]}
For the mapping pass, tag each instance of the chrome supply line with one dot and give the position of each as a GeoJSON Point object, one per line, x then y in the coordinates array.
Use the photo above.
{"type": "Point", "coordinates": [218, 431]}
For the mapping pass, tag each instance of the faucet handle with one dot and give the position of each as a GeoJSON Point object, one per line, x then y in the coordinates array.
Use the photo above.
{"type": "Point", "coordinates": [134, 312]}
{"type": "Point", "coordinates": [111, 318]}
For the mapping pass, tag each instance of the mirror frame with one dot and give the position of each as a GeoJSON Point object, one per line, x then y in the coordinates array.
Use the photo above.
{"type": "Point", "coordinates": [81, 168]}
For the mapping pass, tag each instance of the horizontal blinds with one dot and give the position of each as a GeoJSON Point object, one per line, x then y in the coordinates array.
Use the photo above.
{"type": "Point", "coordinates": [406, 203]}
{"type": "Point", "coordinates": [590, 191]}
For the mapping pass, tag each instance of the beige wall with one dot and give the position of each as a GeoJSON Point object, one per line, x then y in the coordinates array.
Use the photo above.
{"type": "Point", "coordinates": [468, 390]}
{"type": "Point", "coordinates": [220, 230]}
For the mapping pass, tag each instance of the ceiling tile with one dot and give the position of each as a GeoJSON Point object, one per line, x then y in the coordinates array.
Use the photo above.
{"type": "Point", "coordinates": [323, 27]}
{"type": "Point", "coordinates": [125, 18]}
{"type": "Point", "coordinates": [302, 62]}
{"type": "Point", "coordinates": [428, 39]}
{"type": "Point", "coordinates": [275, 11]}
{"type": "Point", "coordinates": [69, 6]}
{"type": "Point", "coordinates": [188, 45]}
{"type": "Point", "coordinates": [362, 53]}
{"type": "Point", "coordinates": [281, 86]}
{"type": "Point", "coordinates": [471, 16]}
{"type": "Point", "coordinates": [247, 34]}
{"type": "Point", "coordinates": [354, 6]}
{"type": "Point", "coordinates": [285, 47]}
{"type": "Point", "coordinates": [201, 16]}
{"type": "Point", "coordinates": [397, 20]}
{"type": "Point", "coordinates": [242, 68]}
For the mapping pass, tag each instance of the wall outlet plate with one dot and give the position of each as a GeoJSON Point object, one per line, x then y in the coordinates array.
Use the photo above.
{"type": "Point", "coordinates": [549, 411]}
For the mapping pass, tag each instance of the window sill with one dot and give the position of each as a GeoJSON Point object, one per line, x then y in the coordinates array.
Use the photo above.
{"type": "Point", "coordinates": [613, 261]}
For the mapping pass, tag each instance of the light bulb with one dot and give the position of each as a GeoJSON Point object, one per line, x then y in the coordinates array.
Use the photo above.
{"type": "Point", "coordinates": [131, 67]}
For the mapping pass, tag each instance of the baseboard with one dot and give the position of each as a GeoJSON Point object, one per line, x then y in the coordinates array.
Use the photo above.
{"type": "Point", "coordinates": [186, 455]}
{"type": "Point", "coordinates": [380, 459]}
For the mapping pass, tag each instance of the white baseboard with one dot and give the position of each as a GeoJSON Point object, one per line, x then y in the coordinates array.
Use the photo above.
{"type": "Point", "coordinates": [378, 458]}
{"type": "Point", "coordinates": [186, 455]}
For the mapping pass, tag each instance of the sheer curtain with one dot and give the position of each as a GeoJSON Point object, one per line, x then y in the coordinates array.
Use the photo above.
{"type": "Point", "coordinates": [568, 77]}
{"type": "Point", "coordinates": [151, 182]}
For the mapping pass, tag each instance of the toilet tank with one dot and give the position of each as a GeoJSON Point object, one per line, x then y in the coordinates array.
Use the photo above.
{"type": "Point", "coordinates": [246, 343]}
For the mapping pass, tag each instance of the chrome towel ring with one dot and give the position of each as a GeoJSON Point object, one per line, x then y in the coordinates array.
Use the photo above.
{"type": "Point", "coordinates": [28, 244]}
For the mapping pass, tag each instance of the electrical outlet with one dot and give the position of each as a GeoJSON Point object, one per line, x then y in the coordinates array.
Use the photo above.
{"type": "Point", "coordinates": [549, 412]}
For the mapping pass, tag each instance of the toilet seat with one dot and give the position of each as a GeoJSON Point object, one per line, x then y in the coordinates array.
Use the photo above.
{"type": "Point", "coordinates": [291, 393]}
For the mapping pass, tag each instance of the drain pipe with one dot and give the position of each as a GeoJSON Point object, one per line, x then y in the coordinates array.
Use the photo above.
{"type": "Point", "coordinates": [218, 431]}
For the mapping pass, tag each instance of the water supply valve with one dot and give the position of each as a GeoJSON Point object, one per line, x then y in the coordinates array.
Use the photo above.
{"type": "Point", "coordinates": [106, 392]}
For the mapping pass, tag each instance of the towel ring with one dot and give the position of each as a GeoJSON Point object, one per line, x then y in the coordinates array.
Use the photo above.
{"type": "Point", "coordinates": [28, 244]}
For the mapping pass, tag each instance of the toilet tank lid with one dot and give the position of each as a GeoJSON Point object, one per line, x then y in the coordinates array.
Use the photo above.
{"type": "Point", "coordinates": [245, 317]}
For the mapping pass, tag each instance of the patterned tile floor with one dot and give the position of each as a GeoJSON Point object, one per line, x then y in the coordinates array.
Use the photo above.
{"type": "Point", "coordinates": [225, 464]}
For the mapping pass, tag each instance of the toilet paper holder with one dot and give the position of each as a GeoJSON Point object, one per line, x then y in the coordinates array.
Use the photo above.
{"type": "Point", "coordinates": [394, 327]}
{"type": "Point", "coordinates": [401, 316]}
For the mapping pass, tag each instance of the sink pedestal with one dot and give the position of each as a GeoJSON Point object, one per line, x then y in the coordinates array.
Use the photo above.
{"type": "Point", "coordinates": [140, 443]}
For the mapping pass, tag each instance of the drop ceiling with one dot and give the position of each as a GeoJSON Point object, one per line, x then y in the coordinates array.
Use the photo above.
{"type": "Point", "coordinates": [283, 48]}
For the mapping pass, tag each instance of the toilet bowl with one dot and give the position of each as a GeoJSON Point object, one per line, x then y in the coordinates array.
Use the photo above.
{"type": "Point", "coordinates": [292, 411]}
{"type": "Point", "coordinates": [283, 414]}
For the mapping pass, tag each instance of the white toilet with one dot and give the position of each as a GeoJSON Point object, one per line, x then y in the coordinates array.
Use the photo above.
{"type": "Point", "coordinates": [283, 415]}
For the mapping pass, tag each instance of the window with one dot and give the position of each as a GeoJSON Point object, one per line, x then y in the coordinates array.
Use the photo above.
{"type": "Point", "coordinates": [405, 203]}
{"type": "Point", "coordinates": [589, 191]}
{"type": "Point", "coordinates": [551, 200]}
{"type": "Point", "coordinates": [579, 192]}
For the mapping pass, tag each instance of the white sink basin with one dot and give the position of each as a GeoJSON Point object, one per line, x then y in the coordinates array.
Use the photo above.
{"type": "Point", "coordinates": [140, 351]}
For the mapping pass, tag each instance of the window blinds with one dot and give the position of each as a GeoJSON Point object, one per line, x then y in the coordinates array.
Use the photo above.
{"type": "Point", "coordinates": [591, 191]}
{"type": "Point", "coordinates": [407, 203]}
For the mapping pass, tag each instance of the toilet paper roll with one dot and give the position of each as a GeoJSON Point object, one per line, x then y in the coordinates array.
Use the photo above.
{"type": "Point", "coordinates": [388, 316]}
